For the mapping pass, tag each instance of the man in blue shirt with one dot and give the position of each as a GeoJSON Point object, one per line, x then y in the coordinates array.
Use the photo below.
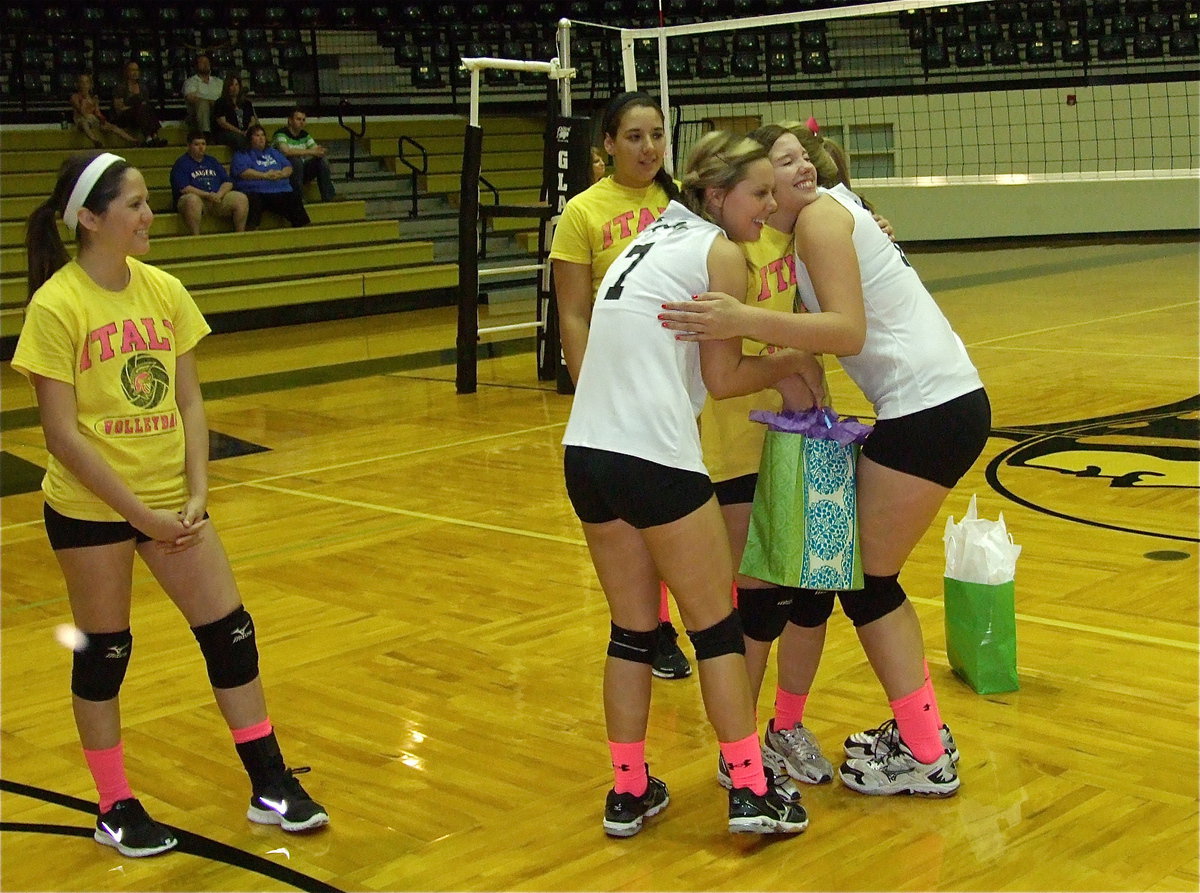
{"type": "Point", "coordinates": [200, 185]}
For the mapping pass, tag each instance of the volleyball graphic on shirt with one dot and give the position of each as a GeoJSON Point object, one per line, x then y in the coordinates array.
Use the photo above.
{"type": "Point", "coordinates": [145, 381]}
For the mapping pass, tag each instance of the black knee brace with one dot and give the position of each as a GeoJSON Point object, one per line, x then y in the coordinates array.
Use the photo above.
{"type": "Point", "coordinates": [811, 607]}
{"type": "Point", "coordinates": [878, 598]}
{"type": "Point", "coordinates": [98, 669]}
{"type": "Point", "coordinates": [632, 645]}
{"type": "Point", "coordinates": [229, 649]}
{"type": "Point", "coordinates": [720, 638]}
{"type": "Point", "coordinates": [764, 612]}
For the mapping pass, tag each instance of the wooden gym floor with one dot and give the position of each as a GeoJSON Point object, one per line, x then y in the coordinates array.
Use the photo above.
{"type": "Point", "coordinates": [432, 633]}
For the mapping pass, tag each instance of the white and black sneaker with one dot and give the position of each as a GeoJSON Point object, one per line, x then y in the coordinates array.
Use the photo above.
{"type": "Point", "coordinates": [285, 803]}
{"type": "Point", "coordinates": [130, 829]}
{"type": "Point", "coordinates": [772, 813]}
{"type": "Point", "coordinates": [878, 741]}
{"type": "Point", "coordinates": [623, 813]}
{"type": "Point", "coordinates": [897, 771]}
{"type": "Point", "coordinates": [798, 753]}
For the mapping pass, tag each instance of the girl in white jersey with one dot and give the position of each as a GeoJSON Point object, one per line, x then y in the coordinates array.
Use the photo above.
{"type": "Point", "coordinates": [108, 344]}
{"type": "Point", "coordinates": [933, 418]}
{"type": "Point", "coordinates": [637, 481]}
{"type": "Point", "coordinates": [595, 227]}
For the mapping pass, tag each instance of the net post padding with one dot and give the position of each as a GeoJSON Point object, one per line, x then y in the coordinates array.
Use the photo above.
{"type": "Point", "coordinates": [573, 166]}
{"type": "Point", "coordinates": [467, 352]}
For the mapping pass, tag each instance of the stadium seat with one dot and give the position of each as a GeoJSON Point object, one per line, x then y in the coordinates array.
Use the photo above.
{"type": "Point", "coordinates": [237, 16]}
{"type": "Point", "coordinates": [1039, 52]}
{"type": "Point", "coordinates": [954, 34]}
{"type": "Point", "coordinates": [407, 54]}
{"type": "Point", "coordinates": [1020, 32]}
{"type": "Point", "coordinates": [1147, 46]}
{"type": "Point", "coordinates": [1077, 49]}
{"type": "Point", "coordinates": [1111, 48]}
{"type": "Point", "coordinates": [944, 15]}
{"type": "Point", "coordinates": [968, 55]}
{"type": "Point", "coordinates": [264, 80]}
{"type": "Point", "coordinates": [1157, 23]}
{"type": "Point", "coordinates": [710, 66]}
{"type": "Point", "coordinates": [744, 42]}
{"type": "Point", "coordinates": [745, 64]}
{"type": "Point", "coordinates": [1004, 52]}
{"type": "Point", "coordinates": [816, 62]}
{"type": "Point", "coordinates": [1056, 29]}
{"type": "Point", "coordinates": [1040, 11]}
{"type": "Point", "coordinates": [933, 55]}
{"type": "Point", "coordinates": [781, 63]}
{"type": "Point", "coordinates": [1106, 8]}
{"type": "Point", "coordinates": [1124, 26]}
{"type": "Point", "coordinates": [1138, 7]}
{"type": "Point", "coordinates": [988, 33]}
{"type": "Point", "coordinates": [1006, 13]}
{"type": "Point", "coordinates": [1182, 43]}
{"type": "Point", "coordinates": [427, 77]}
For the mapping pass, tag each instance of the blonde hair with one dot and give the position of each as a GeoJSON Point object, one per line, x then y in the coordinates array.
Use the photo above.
{"type": "Point", "coordinates": [718, 161]}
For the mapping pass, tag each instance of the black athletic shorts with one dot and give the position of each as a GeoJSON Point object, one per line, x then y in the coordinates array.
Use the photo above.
{"type": "Point", "coordinates": [604, 486]}
{"type": "Point", "coordinates": [938, 444]}
{"type": "Point", "coordinates": [73, 533]}
{"type": "Point", "coordinates": [736, 491]}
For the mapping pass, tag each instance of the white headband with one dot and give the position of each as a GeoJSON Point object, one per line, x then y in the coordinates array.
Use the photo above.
{"type": "Point", "coordinates": [84, 186]}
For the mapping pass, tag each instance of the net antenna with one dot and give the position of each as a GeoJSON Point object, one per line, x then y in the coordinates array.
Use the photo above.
{"type": "Point", "coordinates": [473, 215]}
{"type": "Point", "coordinates": [663, 32]}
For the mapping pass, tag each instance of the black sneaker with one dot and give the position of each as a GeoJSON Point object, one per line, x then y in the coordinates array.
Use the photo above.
{"type": "Point", "coordinates": [669, 661]}
{"type": "Point", "coordinates": [772, 813]}
{"type": "Point", "coordinates": [285, 803]}
{"type": "Point", "coordinates": [623, 813]}
{"type": "Point", "coordinates": [127, 827]}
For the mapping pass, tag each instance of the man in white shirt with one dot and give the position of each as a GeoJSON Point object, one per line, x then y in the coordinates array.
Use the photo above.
{"type": "Point", "coordinates": [200, 91]}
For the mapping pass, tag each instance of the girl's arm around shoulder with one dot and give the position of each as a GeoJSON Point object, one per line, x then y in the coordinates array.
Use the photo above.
{"type": "Point", "coordinates": [727, 372]}
{"type": "Point", "coordinates": [825, 245]}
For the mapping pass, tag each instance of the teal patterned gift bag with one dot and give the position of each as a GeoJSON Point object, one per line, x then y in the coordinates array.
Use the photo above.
{"type": "Point", "coordinates": [804, 522]}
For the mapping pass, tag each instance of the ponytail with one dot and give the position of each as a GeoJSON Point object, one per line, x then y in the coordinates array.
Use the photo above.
{"type": "Point", "coordinates": [44, 247]}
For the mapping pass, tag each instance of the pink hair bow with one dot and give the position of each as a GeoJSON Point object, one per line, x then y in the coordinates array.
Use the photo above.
{"type": "Point", "coordinates": [812, 125]}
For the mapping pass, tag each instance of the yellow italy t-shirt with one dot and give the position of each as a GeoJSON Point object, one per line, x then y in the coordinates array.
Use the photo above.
{"type": "Point", "coordinates": [118, 350]}
{"type": "Point", "coordinates": [732, 443]}
{"type": "Point", "coordinates": [599, 222]}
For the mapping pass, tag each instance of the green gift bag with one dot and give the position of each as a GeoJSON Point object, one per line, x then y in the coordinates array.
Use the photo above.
{"type": "Point", "coordinates": [804, 523]}
{"type": "Point", "coordinates": [981, 634]}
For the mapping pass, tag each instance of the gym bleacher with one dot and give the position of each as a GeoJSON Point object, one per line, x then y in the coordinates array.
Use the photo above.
{"type": "Point", "coordinates": [383, 91]}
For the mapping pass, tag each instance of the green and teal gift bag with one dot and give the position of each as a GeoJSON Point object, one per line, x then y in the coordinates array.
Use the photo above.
{"type": "Point", "coordinates": [981, 616]}
{"type": "Point", "coordinates": [804, 522]}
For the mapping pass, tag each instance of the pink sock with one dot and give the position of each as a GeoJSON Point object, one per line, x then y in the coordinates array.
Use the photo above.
{"type": "Point", "coordinates": [664, 604]}
{"type": "Point", "coordinates": [629, 767]}
{"type": "Point", "coordinates": [744, 759]}
{"type": "Point", "coordinates": [108, 770]}
{"type": "Point", "coordinates": [914, 719]}
{"type": "Point", "coordinates": [937, 714]}
{"type": "Point", "coordinates": [789, 709]}
{"type": "Point", "coordinates": [252, 733]}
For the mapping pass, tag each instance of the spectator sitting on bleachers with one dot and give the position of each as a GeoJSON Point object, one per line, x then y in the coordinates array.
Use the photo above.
{"type": "Point", "coordinates": [87, 115]}
{"type": "Point", "coordinates": [233, 115]}
{"type": "Point", "coordinates": [306, 156]}
{"type": "Point", "coordinates": [200, 185]}
{"type": "Point", "coordinates": [132, 108]}
{"type": "Point", "coordinates": [200, 91]}
{"type": "Point", "coordinates": [263, 173]}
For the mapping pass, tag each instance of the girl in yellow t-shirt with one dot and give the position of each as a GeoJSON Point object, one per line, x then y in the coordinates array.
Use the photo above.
{"type": "Point", "coordinates": [108, 345]}
{"type": "Point", "coordinates": [595, 227]}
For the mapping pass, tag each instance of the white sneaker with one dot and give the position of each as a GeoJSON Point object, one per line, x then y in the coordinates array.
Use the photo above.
{"type": "Point", "coordinates": [872, 742]}
{"type": "Point", "coordinates": [799, 753]}
{"type": "Point", "coordinates": [898, 772]}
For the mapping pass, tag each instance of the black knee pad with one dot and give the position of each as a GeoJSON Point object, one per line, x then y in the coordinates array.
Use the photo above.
{"type": "Point", "coordinates": [229, 649]}
{"type": "Point", "coordinates": [811, 607]}
{"type": "Point", "coordinates": [631, 645]}
{"type": "Point", "coordinates": [98, 669]}
{"type": "Point", "coordinates": [764, 612]}
{"type": "Point", "coordinates": [720, 638]}
{"type": "Point", "coordinates": [878, 598]}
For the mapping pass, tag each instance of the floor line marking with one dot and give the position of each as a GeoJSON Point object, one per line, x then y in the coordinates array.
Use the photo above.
{"type": "Point", "coordinates": [1083, 322]}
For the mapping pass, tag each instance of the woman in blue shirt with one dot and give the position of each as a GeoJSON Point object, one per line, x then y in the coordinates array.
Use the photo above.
{"type": "Point", "coordinates": [263, 173]}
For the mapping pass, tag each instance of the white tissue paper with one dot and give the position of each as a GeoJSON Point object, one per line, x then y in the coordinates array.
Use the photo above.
{"type": "Point", "coordinates": [979, 550]}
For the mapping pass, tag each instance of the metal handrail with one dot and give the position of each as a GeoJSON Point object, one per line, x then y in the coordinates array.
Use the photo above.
{"type": "Point", "coordinates": [413, 169]}
{"type": "Point", "coordinates": [355, 136]}
{"type": "Point", "coordinates": [483, 227]}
